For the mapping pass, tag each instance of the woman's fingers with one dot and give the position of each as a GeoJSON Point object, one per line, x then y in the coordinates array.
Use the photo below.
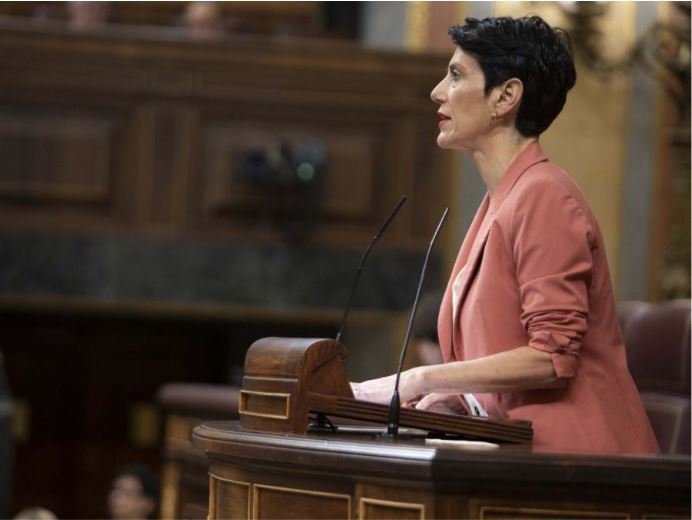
{"type": "Point", "coordinates": [444, 403]}
{"type": "Point", "coordinates": [381, 390]}
{"type": "Point", "coordinates": [376, 390]}
{"type": "Point", "coordinates": [411, 403]}
{"type": "Point", "coordinates": [430, 399]}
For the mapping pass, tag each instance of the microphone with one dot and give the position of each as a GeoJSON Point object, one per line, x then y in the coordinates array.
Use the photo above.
{"type": "Point", "coordinates": [395, 405]}
{"type": "Point", "coordinates": [362, 263]}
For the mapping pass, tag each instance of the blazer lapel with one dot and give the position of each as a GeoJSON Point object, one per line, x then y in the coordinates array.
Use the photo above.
{"type": "Point", "coordinates": [445, 321]}
{"type": "Point", "coordinates": [472, 264]}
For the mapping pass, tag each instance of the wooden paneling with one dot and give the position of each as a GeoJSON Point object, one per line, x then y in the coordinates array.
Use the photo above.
{"type": "Point", "coordinates": [265, 404]}
{"type": "Point", "coordinates": [231, 499]}
{"type": "Point", "coordinates": [373, 508]}
{"type": "Point", "coordinates": [406, 478]}
{"type": "Point", "coordinates": [415, 501]}
{"type": "Point", "coordinates": [245, 17]}
{"type": "Point", "coordinates": [519, 513]}
{"type": "Point", "coordinates": [148, 127]}
{"type": "Point", "coordinates": [350, 179]}
{"type": "Point", "coordinates": [110, 137]}
{"type": "Point", "coordinates": [293, 502]}
{"type": "Point", "coordinates": [64, 166]}
{"type": "Point", "coordinates": [60, 156]}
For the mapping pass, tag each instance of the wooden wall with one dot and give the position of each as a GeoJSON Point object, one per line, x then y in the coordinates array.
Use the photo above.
{"type": "Point", "coordinates": [297, 18]}
{"type": "Point", "coordinates": [114, 133]}
{"type": "Point", "coordinates": [122, 222]}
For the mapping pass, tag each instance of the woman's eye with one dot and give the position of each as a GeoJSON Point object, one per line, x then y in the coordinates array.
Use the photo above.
{"type": "Point", "coordinates": [455, 75]}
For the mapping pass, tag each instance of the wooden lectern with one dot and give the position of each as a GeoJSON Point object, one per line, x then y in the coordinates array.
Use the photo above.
{"type": "Point", "coordinates": [269, 467]}
{"type": "Point", "coordinates": [287, 379]}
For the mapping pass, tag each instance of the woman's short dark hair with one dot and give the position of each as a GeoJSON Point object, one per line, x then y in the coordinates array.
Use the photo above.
{"type": "Point", "coordinates": [525, 48]}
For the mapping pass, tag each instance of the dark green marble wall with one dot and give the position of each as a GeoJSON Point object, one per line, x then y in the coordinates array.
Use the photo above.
{"type": "Point", "coordinates": [274, 275]}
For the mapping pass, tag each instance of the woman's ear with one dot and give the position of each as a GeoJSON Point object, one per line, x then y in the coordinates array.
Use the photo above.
{"type": "Point", "coordinates": [509, 96]}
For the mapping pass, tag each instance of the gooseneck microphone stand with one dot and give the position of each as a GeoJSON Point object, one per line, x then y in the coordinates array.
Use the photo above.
{"type": "Point", "coordinates": [395, 404]}
{"type": "Point", "coordinates": [359, 270]}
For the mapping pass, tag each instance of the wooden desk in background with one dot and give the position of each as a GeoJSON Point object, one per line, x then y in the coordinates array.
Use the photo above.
{"type": "Point", "coordinates": [276, 475]}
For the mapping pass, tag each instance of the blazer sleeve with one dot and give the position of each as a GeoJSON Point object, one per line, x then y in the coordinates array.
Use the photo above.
{"type": "Point", "coordinates": [552, 240]}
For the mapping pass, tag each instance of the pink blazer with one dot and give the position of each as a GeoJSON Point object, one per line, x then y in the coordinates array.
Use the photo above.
{"type": "Point", "coordinates": [536, 274]}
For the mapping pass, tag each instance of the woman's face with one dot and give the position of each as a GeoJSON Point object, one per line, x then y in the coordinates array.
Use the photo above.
{"type": "Point", "coordinates": [464, 108]}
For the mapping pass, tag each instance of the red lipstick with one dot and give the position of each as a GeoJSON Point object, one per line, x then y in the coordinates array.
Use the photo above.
{"type": "Point", "coordinates": [443, 119]}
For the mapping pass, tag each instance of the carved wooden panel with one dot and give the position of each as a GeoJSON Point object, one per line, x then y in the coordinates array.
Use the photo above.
{"type": "Point", "coordinates": [228, 498]}
{"type": "Point", "coordinates": [526, 513]}
{"type": "Point", "coordinates": [55, 157]}
{"type": "Point", "coordinates": [350, 177]}
{"type": "Point", "coordinates": [370, 164]}
{"type": "Point", "coordinates": [373, 508]}
{"type": "Point", "coordinates": [391, 501]}
{"type": "Point", "coordinates": [65, 167]}
{"type": "Point", "coordinates": [290, 502]}
{"type": "Point", "coordinates": [265, 404]}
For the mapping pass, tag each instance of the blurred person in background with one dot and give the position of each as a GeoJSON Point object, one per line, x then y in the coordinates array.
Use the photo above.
{"type": "Point", "coordinates": [203, 20]}
{"type": "Point", "coordinates": [35, 513]}
{"type": "Point", "coordinates": [134, 493]}
{"type": "Point", "coordinates": [88, 15]}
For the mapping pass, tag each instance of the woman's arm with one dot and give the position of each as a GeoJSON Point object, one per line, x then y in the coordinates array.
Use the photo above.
{"type": "Point", "coordinates": [522, 368]}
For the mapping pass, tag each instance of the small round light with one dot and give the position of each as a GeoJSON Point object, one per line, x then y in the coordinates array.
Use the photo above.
{"type": "Point", "coordinates": [305, 172]}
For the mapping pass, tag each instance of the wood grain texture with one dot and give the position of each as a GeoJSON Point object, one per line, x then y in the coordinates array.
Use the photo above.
{"type": "Point", "coordinates": [408, 476]}
{"type": "Point", "coordinates": [279, 375]}
{"type": "Point", "coordinates": [149, 125]}
{"type": "Point", "coordinates": [286, 379]}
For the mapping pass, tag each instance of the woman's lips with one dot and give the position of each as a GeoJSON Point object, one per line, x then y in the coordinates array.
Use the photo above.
{"type": "Point", "coordinates": [443, 119]}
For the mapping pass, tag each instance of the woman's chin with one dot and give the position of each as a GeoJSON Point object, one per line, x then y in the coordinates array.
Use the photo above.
{"type": "Point", "coordinates": [446, 142]}
{"type": "Point", "coordinates": [443, 141]}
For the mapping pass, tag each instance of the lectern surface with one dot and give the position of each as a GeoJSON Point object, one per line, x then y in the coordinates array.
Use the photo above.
{"type": "Point", "coordinates": [283, 475]}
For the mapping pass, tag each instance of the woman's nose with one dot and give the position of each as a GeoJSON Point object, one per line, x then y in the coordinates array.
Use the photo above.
{"type": "Point", "coordinates": [437, 94]}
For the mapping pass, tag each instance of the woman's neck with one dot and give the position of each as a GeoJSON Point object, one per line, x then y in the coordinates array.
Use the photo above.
{"type": "Point", "coordinates": [494, 157]}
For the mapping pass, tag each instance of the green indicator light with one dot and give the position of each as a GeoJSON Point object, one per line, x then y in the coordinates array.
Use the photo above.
{"type": "Point", "coordinates": [305, 172]}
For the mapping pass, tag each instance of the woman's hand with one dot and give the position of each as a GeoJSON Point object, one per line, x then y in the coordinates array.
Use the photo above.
{"type": "Point", "coordinates": [442, 403]}
{"type": "Point", "coordinates": [380, 390]}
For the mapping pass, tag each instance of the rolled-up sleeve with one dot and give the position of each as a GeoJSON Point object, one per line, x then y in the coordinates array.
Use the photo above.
{"type": "Point", "coordinates": [552, 242]}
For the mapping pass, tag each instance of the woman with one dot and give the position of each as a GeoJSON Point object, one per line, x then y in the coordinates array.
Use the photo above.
{"type": "Point", "coordinates": [527, 327]}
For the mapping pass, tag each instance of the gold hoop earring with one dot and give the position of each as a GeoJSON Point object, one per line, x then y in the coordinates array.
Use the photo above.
{"type": "Point", "coordinates": [495, 119]}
